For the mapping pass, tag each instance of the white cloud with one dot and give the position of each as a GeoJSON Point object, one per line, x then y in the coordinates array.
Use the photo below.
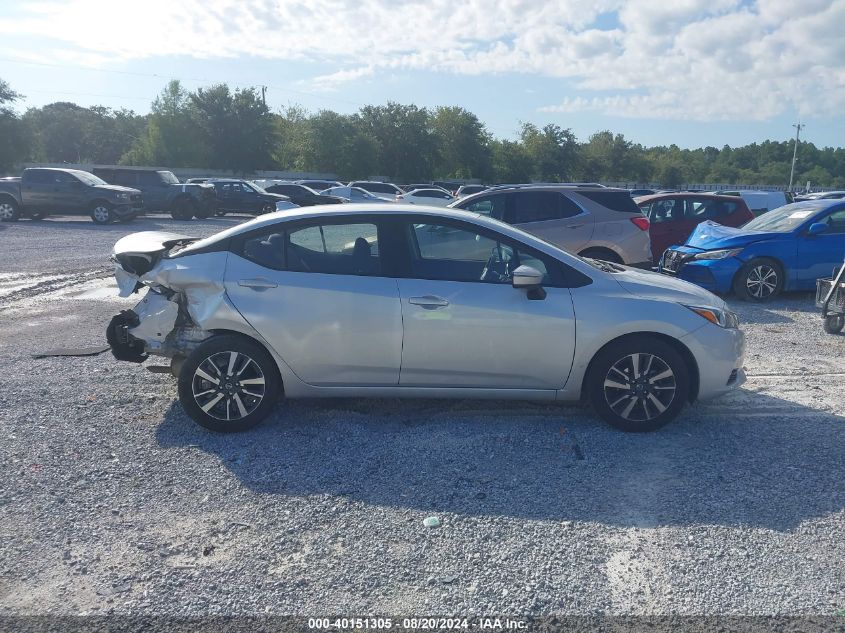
{"type": "Point", "coordinates": [681, 59]}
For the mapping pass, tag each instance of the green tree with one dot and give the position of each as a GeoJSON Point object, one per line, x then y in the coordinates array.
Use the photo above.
{"type": "Point", "coordinates": [14, 137]}
{"type": "Point", "coordinates": [552, 150]}
{"type": "Point", "coordinates": [405, 143]}
{"type": "Point", "coordinates": [462, 144]}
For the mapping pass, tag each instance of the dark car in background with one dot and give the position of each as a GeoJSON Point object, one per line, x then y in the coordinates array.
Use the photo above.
{"type": "Point", "coordinates": [301, 195]}
{"type": "Point", "coordinates": [319, 185]}
{"type": "Point", "coordinates": [674, 216]}
{"type": "Point", "coordinates": [468, 190]}
{"type": "Point", "coordinates": [381, 189]}
{"type": "Point", "coordinates": [163, 191]}
{"type": "Point", "coordinates": [42, 190]}
{"type": "Point", "coordinates": [242, 196]}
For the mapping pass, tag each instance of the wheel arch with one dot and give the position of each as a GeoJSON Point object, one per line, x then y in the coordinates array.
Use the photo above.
{"type": "Point", "coordinates": [95, 201]}
{"type": "Point", "coordinates": [8, 197]}
{"type": "Point", "coordinates": [252, 339]}
{"type": "Point", "coordinates": [676, 344]}
{"type": "Point", "coordinates": [604, 249]}
{"type": "Point", "coordinates": [786, 278]}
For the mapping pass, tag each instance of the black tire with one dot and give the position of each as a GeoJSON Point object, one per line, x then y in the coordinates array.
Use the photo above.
{"type": "Point", "coordinates": [603, 254]}
{"type": "Point", "coordinates": [37, 215]}
{"type": "Point", "coordinates": [102, 213]}
{"type": "Point", "coordinates": [636, 404]}
{"type": "Point", "coordinates": [221, 400]}
{"type": "Point", "coordinates": [220, 214]}
{"type": "Point", "coordinates": [268, 207]}
{"type": "Point", "coordinates": [183, 209]}
{"type": "Point", "coordinates": [203, 212]}
{"type": "Point", "coordinates": [759, 280]}
{"type": "Point", "coordinates": [833, 323]}
{"type": "Point", "coordinates": [9, 211]}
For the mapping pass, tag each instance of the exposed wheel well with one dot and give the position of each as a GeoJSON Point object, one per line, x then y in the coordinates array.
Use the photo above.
{"type": "Point", "coordinates": [97, 201]}
{"type": "Point", "coordinates": [254, 340]}
{"type": "Point", "coordinates": [682, 349]}
{"type": "Point", "coordinates": [598, 251]}
{"type": "Point", "coordinates": [7, 197]}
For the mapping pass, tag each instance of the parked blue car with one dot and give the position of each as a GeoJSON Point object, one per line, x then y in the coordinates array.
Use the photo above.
{"type": "Point", "coordinates": [785, 249]}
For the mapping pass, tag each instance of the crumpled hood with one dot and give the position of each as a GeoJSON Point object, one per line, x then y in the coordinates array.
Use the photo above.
{"type": "Point", "coordinates": [710, 236]}
{"type": "Point", "coordinates": [117, 188]}
{"type": "Point", "coordinates": [148, 242]}
{"type": "Point", "coordinates": [653, 285]}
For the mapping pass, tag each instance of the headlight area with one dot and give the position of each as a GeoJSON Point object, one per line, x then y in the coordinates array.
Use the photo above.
{"type": "Point", "coordinates": [720, 254]}
{"type": "Point", "coordinates": [716, 316]}
{"type": "Point", "coordinates": [121, 196]}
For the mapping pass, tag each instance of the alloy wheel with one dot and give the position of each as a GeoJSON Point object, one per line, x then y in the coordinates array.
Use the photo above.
{"type": "Point", "coordinates": [761, 282]}
{"type": "Point", "coordinates": [639, 387]}
{"type": "Point", "coordinates": [101, 214]}
{"type": "Point", "coordinates": [7, 211]}
{"type": "Point", "coordinates": [228, 385]}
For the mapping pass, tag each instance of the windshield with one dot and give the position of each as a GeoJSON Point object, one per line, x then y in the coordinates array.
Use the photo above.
{"type": "Point", "coordinates": [87, 178]}
{"type": "Point", "coordinates": [168, 177]}
{"type": "Point", "coordinates": [785, 219]}
{"type": "Point", "coordinates": [251, 185]}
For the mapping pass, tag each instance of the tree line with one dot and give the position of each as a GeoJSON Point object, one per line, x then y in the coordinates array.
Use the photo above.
{"type": "Point", "coordinates": [218, 128]}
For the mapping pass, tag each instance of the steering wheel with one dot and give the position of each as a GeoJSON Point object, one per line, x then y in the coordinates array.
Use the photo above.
{"type": "Point", "coordinates": [497, 267]}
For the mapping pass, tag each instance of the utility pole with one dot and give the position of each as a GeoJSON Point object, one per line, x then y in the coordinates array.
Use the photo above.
{"type": "Point", "coordinates": [263, 97]}
{"type": "Point", "coordinates": [797, 127]}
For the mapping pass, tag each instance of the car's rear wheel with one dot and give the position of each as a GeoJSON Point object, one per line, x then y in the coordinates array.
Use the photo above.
{"type": "Point", "coordinates": [638, 384]}
{"type": "Point", "coordinates": [761, 279]}
{"type": "Point", "coordinates": [183, 209]}
{"type": "Point", "coordinates": [833, 324]}
{"type": "Point", "coordinates": [102, 213]}
{"type": "Point", "coordinates": [9, 211]}
{"type": "Point", "coordinates": [268, 207]}
{"type": "Point", "coordinates": [603, 254]}
{"type": "Point", "coordinates": [229, 383]}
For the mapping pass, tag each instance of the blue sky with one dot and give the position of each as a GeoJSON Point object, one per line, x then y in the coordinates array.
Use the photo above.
{"type": "Point", "coordinates": [689, 72]}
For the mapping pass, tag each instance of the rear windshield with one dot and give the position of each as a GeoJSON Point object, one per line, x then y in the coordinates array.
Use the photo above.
{"type": "Point", "coordinates": [613, 200]}
{"type": "Point", "coordinates": [785, 219]}
{"type": "Point", "coordinates": [378, 187]}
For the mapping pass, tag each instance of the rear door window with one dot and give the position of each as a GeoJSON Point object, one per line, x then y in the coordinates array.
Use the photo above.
{"type": "Point", "coordinates": [338, 249]}
{"type": "Point", "coordinates": [492, 206]}
{"type": "Point", "coordinates": [613, 200]}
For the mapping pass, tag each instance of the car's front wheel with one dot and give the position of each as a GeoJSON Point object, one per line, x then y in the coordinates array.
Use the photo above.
{"type": "Point", "coordinates": [229, 383]}
{"type": "Point", "coordinates": [9, 211]}
{"type": "Point", "coordinates": [638, 384]}
{"type": "Point", "coordinates": [102, 213]}
{"type": "Point", "coordinates": [760, 279]}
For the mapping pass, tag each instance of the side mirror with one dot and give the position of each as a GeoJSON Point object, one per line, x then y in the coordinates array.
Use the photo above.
{"type": "Point", "coordinates": [530, 279]}
{"type": "Point", "coordinates": [816, 228]}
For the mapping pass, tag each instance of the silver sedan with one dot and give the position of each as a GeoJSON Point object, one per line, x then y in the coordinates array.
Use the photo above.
{"type": "Point", "coordinates": [380, 300]}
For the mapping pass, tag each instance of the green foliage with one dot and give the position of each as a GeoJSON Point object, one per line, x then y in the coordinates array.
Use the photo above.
{"type": "Point", "coordinates": [14, 137]}
{"type": "Point", "coordinates": [218, 128]}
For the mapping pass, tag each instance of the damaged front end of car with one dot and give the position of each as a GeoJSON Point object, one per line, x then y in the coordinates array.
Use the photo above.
{"type": "Point", "coordinates": [184, 293]}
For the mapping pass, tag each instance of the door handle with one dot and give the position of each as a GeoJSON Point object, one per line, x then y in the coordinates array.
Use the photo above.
{"type": "Point", "coordinates": [257, 284]}
{"type": "Point", "coordinates": [429, 302]}
{"type": "Point", "coordinates": [574, 226]}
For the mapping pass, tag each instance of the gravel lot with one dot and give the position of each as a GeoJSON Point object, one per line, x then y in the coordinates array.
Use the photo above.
{"type": "Point", "coordinates": [114, 501]}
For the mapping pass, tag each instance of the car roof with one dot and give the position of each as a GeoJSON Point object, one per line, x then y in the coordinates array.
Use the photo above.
{"type": "Point", "coordinates": [368, 209]}
{"type": "Point", "coordinates": [685, 194]}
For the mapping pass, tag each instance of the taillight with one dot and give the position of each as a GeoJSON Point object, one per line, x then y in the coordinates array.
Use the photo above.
{"type": "Point", "coordinates": [641, 223]}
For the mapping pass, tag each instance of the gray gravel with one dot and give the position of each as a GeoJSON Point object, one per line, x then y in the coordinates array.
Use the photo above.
{"type": "Point", "coordinates": [114, 501]}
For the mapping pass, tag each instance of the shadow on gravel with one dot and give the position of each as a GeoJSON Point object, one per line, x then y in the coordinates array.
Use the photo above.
{"type": "Point", "coordinates": [749, 312]}
{"type": "Point", "coordinates": [541, 461]}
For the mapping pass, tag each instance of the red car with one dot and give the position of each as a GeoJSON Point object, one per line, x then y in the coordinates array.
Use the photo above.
{"type": "Point", "coordinates": [673, 216]}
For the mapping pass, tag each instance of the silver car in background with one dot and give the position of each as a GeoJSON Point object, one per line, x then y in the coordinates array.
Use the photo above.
{"type": "Point", "coordinates": [587, 219]}
{"type": "Point", "coordinates": [383, 300]}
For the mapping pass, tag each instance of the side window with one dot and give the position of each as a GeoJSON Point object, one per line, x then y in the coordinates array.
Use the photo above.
{"type": "Point", "coordinates": [125, 178]}
{"type": "Point", "coordinates": [836, 222]}
{"type": "Point", "coordinates": [535, 206]}
{"type": "Point", "coordinates": [451, 253]}
{"type": "Point", "coordinates": [149, 178]}
{"type": "Point", "coordinates": [268, 250]}
{"type": "Point", "coordinates": [339, 249]}
{"type": "Point", "coordinates": [667, 210]}
{"type": "Point", "coordinates": [37, 177]}
{"type": "Point", "coordinates": [491, 206]}
{"type": "Point", "coordinates": [62, 178]}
